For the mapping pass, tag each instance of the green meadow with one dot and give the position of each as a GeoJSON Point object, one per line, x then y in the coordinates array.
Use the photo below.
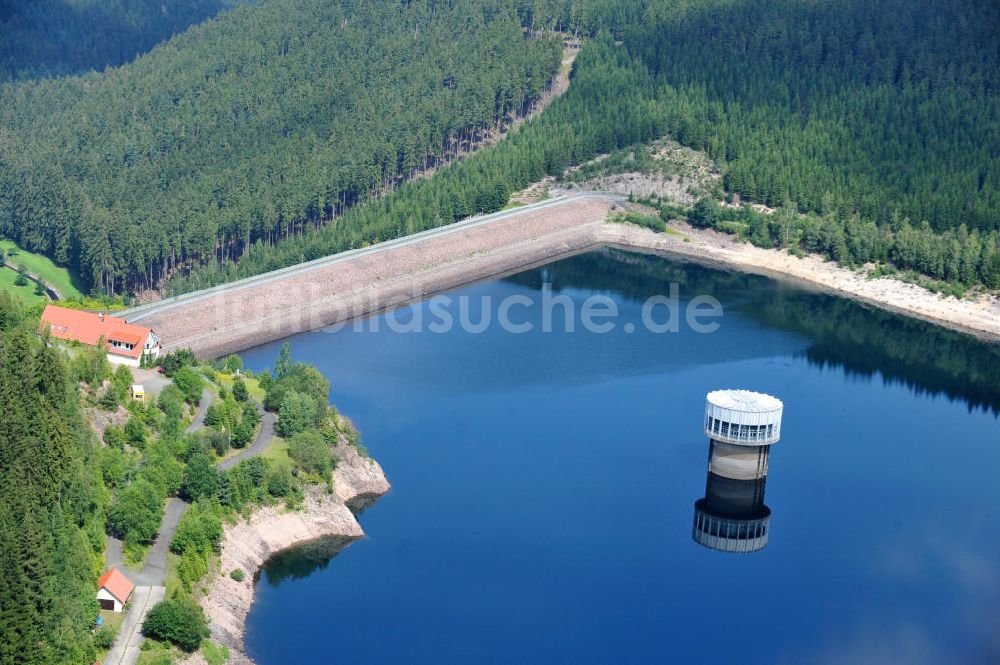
{"type": "Point", "coordinates": [58, 277]}
{"type": "Point", "coordinates": [25, 293]}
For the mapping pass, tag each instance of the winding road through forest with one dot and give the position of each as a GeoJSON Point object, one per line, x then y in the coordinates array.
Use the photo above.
{"type": "Point", "coordinates": [149, 582]}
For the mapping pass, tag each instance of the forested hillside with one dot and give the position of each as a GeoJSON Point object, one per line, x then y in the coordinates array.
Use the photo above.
{"type": "Point", "coordinates": [872, 152]}
{"type": "Point", "coordinates": [52, 503]}
{"type": "Point", "coordinates": [254, 127]}
{"type": "Point", "coordinates": [608, 105]}
{"type": "Point", "coordinates": [880, 120]}
{"type": "Point", "coordinates": [56, 37]}
{"type": "Point", "coordinates": [884, 107]}
{"type": "Point", "coordinates": [227, 151]}
{"type": "Point", "coordinates": [64, 489]}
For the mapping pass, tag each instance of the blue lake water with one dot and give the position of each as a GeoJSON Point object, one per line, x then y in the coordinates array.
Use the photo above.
{"type": "Point", "coordinates": [544, 487]}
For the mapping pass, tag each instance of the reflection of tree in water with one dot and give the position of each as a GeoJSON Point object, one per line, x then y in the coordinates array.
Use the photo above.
{"type": "Point", "coordinates": [303, 560]}
{"type": "Point", "coordinates": [927, 359]}
{"type": "Point", "coordinates": [636, 276]}
{"type": "Point", "coordinates": [860, 339]}
{"type": "Point", "coordinates": [361, 503]}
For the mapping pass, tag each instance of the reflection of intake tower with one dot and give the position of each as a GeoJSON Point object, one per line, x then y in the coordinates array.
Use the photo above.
{"type": "Point", "coordinates": [741, 426]}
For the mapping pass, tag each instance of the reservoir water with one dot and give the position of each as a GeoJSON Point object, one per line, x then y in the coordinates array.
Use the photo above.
{"type": "Point", "coordinates": [544, 486]}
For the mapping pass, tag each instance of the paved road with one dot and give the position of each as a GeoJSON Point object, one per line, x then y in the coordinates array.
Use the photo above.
{"type": "Point", "coordinates": [149, 588]}
{"type": "Point", "coordinates": [156, 558]}
{"type": "Point", "coordinates": [126, 648]}
{"type": "Point", "coordinates": [114, 555]}
{"type": "Point", "coordinates": [264, 437]}
{"type": "Point", "coordinates": [142, 311]}
{"type": "Point", "coordinates": [155, 569]}
{"type": "Point", "coordinates": [199, 417]}
{"type": "Point", "coordinates": [152, 381]}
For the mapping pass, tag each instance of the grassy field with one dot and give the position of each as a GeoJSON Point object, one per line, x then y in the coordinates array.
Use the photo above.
{"type": "Point", "coordinates": [36, 264]}
{"type": "Point", "coordinates": [25, 293]}
{"type": "Point", "coordinates": [155, 652]}
{"type": "Point", "coordinates": [215, 654]}
{"type": "Point", "coordinates": [112, 623]}
{"type": "Point", "coordinates": [277, 451]}
{"type": "Point", "coordinates": [113, 619]}
{"type": "Point", "coordinates": [253, 385]}
{"type": "Point", "coordinates": [172, 579]}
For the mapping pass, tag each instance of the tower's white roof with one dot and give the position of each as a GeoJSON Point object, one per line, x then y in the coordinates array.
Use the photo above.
{"type": "Point", "coordinates": [744, 400]}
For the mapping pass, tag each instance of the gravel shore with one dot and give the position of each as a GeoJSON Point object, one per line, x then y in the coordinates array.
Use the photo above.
{"type": "Point", "coordinates": [979, 317]}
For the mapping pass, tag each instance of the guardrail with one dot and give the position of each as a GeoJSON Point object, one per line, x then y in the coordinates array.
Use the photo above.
{"type": "Point", "coordinates": [141, 311]}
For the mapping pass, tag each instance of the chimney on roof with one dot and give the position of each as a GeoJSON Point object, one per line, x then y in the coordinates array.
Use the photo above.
{"type": "Point", "coordinates": [101, 316]}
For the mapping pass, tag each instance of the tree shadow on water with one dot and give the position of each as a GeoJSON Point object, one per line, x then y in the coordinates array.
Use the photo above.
{"type": "Point", "coordinates": [302, 560]}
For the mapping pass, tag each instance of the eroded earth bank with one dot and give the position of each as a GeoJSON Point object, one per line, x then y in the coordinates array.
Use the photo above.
{"type": "Point", "coordinates": [248, 544]}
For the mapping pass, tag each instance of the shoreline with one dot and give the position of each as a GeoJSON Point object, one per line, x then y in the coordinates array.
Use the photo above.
{"type": "Point", "coordinates": [979, 318]}
{"type": "Point", "coordinates": [222, 322]}
{"type": "Point", "coordinates": [250, 543]}
{"type": "Point", "coordinates": [409, 274]}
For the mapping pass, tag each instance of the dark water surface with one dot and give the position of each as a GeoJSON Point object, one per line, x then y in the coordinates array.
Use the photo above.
{"type": "Point", "coordinates": [544, 488]}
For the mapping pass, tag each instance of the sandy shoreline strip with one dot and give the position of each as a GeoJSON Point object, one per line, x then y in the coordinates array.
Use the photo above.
{"type": "Point", "coordinates": [228, 322]}
{"type": "Point", "coordinates": [978, 317]}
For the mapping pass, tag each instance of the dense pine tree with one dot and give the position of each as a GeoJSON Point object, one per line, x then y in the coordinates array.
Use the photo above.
{"type": "Point", "coordinates": [47, 38]}
{"type": "Point", "coordinates": [872, 108]}
{"type": "Point", "coordinates": [51, 504]}
{"type": "Point", "coordinates": [252, 141]}
{"type": "Point", "coordinates": [257, 126]}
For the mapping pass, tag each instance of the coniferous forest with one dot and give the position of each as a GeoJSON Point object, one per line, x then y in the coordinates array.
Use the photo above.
{"type": "Point", "coordinates": [58, 37]}
{"type": "Point", "coordinates": [254, 127]}
{"type": "Point", "coordinates": [896, 163]}
{"type": "Point", "coordinates": [229, 150]}
{"type": "Point", "coordinates": [176, 144]}
{"type": "Point", "coordinates": [52, 502]}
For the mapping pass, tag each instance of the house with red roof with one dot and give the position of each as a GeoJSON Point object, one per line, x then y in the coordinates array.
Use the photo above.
{"type": "Point", "coordinates": [114, 590]}
{"type": "Point", "coordinates": [124, 341]}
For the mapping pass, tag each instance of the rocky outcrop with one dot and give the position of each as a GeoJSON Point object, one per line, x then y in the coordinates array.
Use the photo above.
{"type": "Point", "coordinates": [248, 544]}
{"type": "Point", "coordinates": [356, 476]}
{"type": "Point", "coordinates": [99, 419]}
